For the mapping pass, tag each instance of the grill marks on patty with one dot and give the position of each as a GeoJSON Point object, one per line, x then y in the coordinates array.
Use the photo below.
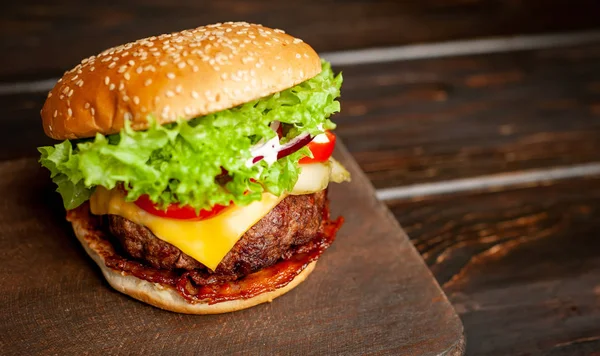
{"type": "Point", "coordinates": [296, 220]}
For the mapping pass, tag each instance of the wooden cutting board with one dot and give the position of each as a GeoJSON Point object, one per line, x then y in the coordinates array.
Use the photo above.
{"type": "Point", "coordinates": [370, 293]}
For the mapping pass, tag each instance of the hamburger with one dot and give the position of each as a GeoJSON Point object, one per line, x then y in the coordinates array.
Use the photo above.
{"type": "Point", "coordinates": [194, 165]}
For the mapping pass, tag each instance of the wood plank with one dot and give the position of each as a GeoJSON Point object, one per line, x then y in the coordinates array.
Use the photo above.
{"type": "Point", "coordinates": [21, 122]}
{"type": "Point", "coordinates": [521, 267]}
{"type": "Point", "coordinates": [46, 38]}
{"type": "Point", "coordinates": [439, 119]}
{"type": "Point", "coordinates": [370, 292]}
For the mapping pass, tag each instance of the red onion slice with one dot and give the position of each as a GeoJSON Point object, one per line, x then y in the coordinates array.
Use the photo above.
{"type": "Point", "coordinates": [275, 125]}
{"type": "Point", "coordinates": [294, 145]}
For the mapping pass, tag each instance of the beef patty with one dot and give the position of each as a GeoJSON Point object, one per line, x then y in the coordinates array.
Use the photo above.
{"type": "Point", "coordinates": [295, 221]}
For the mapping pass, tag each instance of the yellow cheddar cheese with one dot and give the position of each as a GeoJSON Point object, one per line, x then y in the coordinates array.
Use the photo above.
{"type": "Point", "coordinates": [207, 241]}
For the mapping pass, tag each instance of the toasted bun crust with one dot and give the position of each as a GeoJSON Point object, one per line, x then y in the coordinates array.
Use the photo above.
{"type": "Point", "coordinates": [175, 76]}
{"type": "Point", "coordinates": [167, 298]}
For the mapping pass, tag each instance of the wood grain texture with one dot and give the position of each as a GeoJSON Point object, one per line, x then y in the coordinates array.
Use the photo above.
{"type": "Point", "coordinates": [46, 38]}
{"type": "Point", "coordinates": [522, 267]}
{"type": "Point", "coordinates": [371, 292]}
{"type": "Point", "coordinates": [439, 119]}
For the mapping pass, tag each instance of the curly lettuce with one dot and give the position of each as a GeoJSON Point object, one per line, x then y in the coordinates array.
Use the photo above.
{"type": "Point", "coordinates": [183, 162]}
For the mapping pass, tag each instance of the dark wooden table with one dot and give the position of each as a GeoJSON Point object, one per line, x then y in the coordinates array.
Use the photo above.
{"type": "Point", "coordinates": [485, 148]}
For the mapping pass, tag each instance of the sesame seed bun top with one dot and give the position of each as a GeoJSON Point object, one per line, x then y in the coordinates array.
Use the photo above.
{"type": "Point", "coordinates": [175, 76]}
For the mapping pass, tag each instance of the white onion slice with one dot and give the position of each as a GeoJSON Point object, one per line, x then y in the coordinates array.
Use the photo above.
{"type": "Point", "coordinates": [313, 178]}
{"type": "Point", "coordinates": [316, 176]}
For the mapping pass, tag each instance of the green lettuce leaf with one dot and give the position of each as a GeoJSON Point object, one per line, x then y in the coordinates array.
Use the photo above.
{"type": "Point", "coordinates": [182, 162]}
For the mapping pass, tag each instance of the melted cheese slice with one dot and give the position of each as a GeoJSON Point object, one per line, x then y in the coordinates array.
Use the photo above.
{"type": "Point", "coordinates": [207, 241]}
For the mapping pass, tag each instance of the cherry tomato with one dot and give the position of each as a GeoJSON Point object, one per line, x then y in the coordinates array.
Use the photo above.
{"type": "Point", "coordinates": [320, 150]}
{"type": "Point", "coordinates": [174, 211]}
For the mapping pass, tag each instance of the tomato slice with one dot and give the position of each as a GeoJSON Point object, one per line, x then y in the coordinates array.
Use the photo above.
{"type": "Point", "coordinates": [175, 211]}
{"type": "Point", "coordinates": [320, 150]}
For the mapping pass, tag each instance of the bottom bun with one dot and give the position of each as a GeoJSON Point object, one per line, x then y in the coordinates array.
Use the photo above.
{"type": "Point", "coordinates": [165, 297]}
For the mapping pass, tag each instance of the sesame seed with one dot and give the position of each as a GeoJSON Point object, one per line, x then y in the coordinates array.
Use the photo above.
{"type": "Point", "coordinates": [127, 76]}
{"type": "Point", "coordinates": [297, 40]}
{"type": "Point", "coordinates": [187, 110]}
{"type": "Point", "coordinates": [170, 93]}
{"type": "Point", "coordinates": [139, 70]}
{"type": "Point", "coordinates": [170, 75]}
{"type": "Point", "coordinates": [148, 82]}
{"type": "Point", "coordinates": [178, 89]}
{"type": "Point", "coordinates": [70, 93]}
{"type": "Point", "coordinates": [127, 116]}
{"type": "Point", "coordinates": [55, 113]}
{"type": "Point", "coordinates": [106, 80]}
{"type": "Point", "coordinates": [125, 98]}
{"type": "Point", "coordinates": [194, 94]}
{"type": "Point", "coordinates": [70, 112]}
{"type": "Point", "coordinates": [111, 86]}
{"type": "Point", "coordinates": [131, 63]}
{"type": "Point", "coordinates": [121, 86]}
{"type": "Point", "coordinates": [93, 111]}
{"type": "Point", "coordinates": [86, 106]}
{"type": "Point", "coordinates": [122, 69]}
{"type": "Point", "coordinates": [49, 94]}
{"type": "Point", "coordinates": [181, 65]}
{"type": "Point", "coordinates": [112, 64]}
{"type": "Point", "coordinates": [298, 55]}
{"type": "Point", "coordinates": [136, 100]}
